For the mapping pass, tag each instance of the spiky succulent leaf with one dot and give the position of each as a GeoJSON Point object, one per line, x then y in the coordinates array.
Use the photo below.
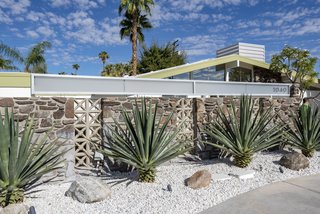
{"type": "Point", "coordinates": [23, 163]}
{"type": "Point", "coordinates": [245, 133]}
{"type": "Point", "coordinates": [144, 142]}
{"type": "Point", "coordinates": [305, 135]}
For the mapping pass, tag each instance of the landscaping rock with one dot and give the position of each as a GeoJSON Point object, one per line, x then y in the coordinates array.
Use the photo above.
{"type": "Point", "coordinates": [294, 161]}
{"type": "Point", "coordinates": [15, 209]}
{"type": "Point", "coordinates": [200, 179]}
{"type": "Point", "coordinates": [88, 190]}
{"type": "Point", "coordinates": [246, 174]}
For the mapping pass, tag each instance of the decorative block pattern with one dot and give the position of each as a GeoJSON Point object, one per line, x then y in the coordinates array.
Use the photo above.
{"type": "Point", "coordinates": [87, 130]}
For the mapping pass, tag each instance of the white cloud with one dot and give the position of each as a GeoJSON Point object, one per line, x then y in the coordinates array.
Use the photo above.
{"type": "Point", "coordinates": [82, 4]}
{"type": "Point", "coordinates": [202, 44]}
{"type": "Point", "coordinates": [59, 3]}
{"type": "Point", "coordinates": [35, 16]}
{"type": "Point", "coordinates": [253, 2]}
{"type": "Point", "coordinates": [83, 28]}
{"type": "Point", "coordinates": [4, 18]}
{"type": "Point", "coordinates": [45, 31]}
{"type": "Point", "coordinates": [32, 34]}
{"type": "Point", "coordinates": [162, 14]}
{"type": "Point", "coordinates": [15, 7]}
{"type": "Point", "coordinates": [198, 5]}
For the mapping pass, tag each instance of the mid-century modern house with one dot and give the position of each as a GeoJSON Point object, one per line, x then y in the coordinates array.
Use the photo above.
{"type": "Point", "coordinates": [237, 69]}
{"type": "Point", "coordinates": [241, 62]}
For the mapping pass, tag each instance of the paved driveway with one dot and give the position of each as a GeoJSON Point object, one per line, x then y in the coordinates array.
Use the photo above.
{"type": "Point", "coordinates": [296, 196]}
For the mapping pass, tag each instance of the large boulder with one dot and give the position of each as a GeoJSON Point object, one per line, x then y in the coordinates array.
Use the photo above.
{"type": "Point", "coordinates": [15, 209]}
{"type": "Point", "coordinates": [88, 190]}
{"type": "Point", "coordinates": [294, 161]}
{"type": "Point", "coordinates": [200, 179]}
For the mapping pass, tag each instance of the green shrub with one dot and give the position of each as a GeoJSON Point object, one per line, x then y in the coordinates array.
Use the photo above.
{"type": "Point", "coordinates": [244, 134]}
{"type": "Point", "coordinates": [306, 132]}
{"type": "Point", "coordinates": [144, 142]}
{"type": "Point", "coordinates": [22, 163]}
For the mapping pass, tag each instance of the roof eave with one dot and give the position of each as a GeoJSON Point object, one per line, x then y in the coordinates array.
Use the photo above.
{"type": "Point", "coordinates": [168, 72]}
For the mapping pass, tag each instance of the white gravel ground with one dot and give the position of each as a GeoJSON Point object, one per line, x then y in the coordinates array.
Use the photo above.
{"type": "Point", "coordinates": [138, 197]}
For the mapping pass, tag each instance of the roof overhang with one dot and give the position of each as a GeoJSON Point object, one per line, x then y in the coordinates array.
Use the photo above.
{"type": "Point", "coordinates": [15, 79]}
{"type": "Point", "coordinates": [186, 68]}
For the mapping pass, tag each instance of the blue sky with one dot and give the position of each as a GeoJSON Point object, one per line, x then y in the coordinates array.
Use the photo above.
{"type": "Point", "coordinates": [80, 29]}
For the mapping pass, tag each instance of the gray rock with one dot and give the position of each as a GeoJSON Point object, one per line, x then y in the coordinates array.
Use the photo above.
{"type": "Point", "coordinates": [15, 209]}
{"type": "Point", "coordinates": [26, 109]}
{"type": "Point", "coordinates": [200, 179]}
{"type": "Point", "coordinates": [294, 161]}
{"type": "Point", "coordinates": [88, 190]}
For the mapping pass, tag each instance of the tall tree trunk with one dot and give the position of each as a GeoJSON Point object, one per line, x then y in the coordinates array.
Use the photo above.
{"type": "Point", "coordinates": [134, 44]}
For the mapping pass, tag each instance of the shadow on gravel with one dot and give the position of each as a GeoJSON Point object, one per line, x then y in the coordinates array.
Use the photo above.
{"type": "Point", "coordinates": [115, 178]}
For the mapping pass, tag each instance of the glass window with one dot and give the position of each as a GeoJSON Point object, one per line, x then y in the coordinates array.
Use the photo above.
{"type": "Point", "coordinates": [211, 73]}
{"type": "Point", "coordinates": [184, 76]}
{"type": "Point", "coordinates": [240, 75]}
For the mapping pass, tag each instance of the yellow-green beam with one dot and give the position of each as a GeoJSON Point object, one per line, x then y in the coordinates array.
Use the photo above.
{"type": "Point", "coordinates": [15, 80]}
{"type": "Point", "coordinates": [200, 65]}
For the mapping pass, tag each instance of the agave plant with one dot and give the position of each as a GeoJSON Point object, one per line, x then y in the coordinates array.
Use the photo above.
{"type": "Point", "coordinates": [244, 134]}
{"type": "Point", "coordinates": [22, 163]}
{"type": "Point", "coordinates": [144, 143]}
{"type": "Point", "coordinates": [306, 132]}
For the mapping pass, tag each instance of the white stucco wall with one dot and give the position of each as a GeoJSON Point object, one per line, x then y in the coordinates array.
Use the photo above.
{"type": "Point", "coordinates": [15, 92]}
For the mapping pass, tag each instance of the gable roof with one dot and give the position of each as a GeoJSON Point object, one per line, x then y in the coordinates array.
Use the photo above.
{"type": "Point", "coordinates": [186, 68]}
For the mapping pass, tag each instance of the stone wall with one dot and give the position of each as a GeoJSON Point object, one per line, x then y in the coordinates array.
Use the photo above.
{"type": "Point", "coordinates": [52, 116]}
{"type": "Point", "coordinates": [206, 112]}
{"type": "Point", "coordinates": [182, 110]}
{"type": "Point", "coordinates": [197, 112]}
{"type": "Point", "coordinates": [55, 116]}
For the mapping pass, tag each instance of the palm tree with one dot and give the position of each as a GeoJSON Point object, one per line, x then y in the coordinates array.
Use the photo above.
{"type": "Point", "coordinates": [35, 61]}
{"type": "Point", "coordinates": [132, 9]}
{"type": "Point", "coordinates": [103, 55]}
{"type": "Point", "coordinates": [7, 56]}
{"type": "Point", "coordinates": [76, 67]}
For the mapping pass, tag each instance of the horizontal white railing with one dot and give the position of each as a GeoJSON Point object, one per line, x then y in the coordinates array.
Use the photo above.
{"type": "Point", "coordinates": [65, 85]}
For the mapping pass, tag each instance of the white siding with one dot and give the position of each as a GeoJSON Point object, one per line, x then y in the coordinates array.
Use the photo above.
{"type": "Point", "coordinates": [252, 51]}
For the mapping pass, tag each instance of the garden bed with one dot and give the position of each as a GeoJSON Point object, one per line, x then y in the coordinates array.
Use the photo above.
{"type": "Point", "coordinates": [130, 196]}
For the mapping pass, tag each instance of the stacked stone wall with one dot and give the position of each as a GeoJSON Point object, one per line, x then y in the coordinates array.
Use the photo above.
{"type": "Point", "coordinates": [53, 116]}
{"type": "Point", "coordinates": [206, 109]}
{"type": "Point", "coordinates": [197, 112]}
